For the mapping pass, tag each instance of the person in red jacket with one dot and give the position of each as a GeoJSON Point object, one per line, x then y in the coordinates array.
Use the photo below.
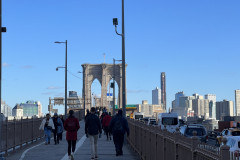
{"type": "Point", "coordinates": [106, 120]}
{"type": "Point", "coordinates": [71, 125]}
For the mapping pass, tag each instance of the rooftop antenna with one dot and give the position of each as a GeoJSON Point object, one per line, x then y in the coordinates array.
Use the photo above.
{"type": "Point", "coordinates": [104, 56]}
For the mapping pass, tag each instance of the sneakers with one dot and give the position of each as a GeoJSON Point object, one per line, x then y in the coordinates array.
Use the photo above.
{"type": "Point", "coordinates": [96, 157]}
{"type": "Point", "coordinates": [72, 157]}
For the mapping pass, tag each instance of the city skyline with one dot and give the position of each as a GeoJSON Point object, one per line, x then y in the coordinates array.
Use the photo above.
{"type": "Point", "coordinates": [193, 63]}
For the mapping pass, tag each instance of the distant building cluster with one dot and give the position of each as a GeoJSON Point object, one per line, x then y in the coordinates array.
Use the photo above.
{"type": "Point", "coordinates": [206, 107]}
{"type": "Point", "coordinates": [26, 109]}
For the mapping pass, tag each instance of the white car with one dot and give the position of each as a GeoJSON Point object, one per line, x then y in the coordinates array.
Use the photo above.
{"type": "Point", "coordinates": [152, 121]}
{"type": "Point", "coordinates": [234, 143]}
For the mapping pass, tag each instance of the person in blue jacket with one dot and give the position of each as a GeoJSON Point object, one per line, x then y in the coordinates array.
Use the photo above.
{"type": "Point", "coordinates": [58, 128]}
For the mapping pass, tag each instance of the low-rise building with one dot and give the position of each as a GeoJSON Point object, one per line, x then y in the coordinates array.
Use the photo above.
{"type": "Point", "coordinates": [17, 111]}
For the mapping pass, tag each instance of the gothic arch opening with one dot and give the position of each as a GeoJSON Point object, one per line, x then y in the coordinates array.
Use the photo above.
{"type": "Point", "coordinates": [96, 93]}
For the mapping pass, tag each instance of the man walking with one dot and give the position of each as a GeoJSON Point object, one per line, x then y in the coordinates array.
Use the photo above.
{"type": "Point", "coordinates": [118, 127]}
{"type": "Point", "coordinates": [47, 125]}
{"type": "Point", "coordinates": [93, 130]}
{"type": "Point", "coordinates": [58, 128]}
{"type": "Point", "coordinates": [71, 125]}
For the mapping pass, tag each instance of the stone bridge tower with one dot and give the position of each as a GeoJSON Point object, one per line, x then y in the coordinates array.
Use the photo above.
{"type": "Point", "coordinates": [103, 73]}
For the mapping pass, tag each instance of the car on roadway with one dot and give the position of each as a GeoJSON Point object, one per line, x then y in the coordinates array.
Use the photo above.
{"type": "Point", "coordinates": [227, 133]}
{"type": "Point", "coordinates": [152, 121]}
{"type": "Point", "coordinates": [187, 131]}
{"type": "Point", "coordinates": [213, 134]}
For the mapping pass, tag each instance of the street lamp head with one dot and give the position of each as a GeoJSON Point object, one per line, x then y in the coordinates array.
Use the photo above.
{"type": "Point", "coordinates": [59, 42]}
{"type": "Point", "coordinates": [4, 29]}
{"type": "Point", "coordinates": [115, 21]}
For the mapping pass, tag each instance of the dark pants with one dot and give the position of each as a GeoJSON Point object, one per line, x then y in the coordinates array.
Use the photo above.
{"type": "Point", "coordinates": [106, 130]}
{"type": "Point", "coordinates": [60, 135]}
{"type": "Point", "coordinates": [56, 137]}
{"type": "Point", "coordinates": [71, 146]}
{"type": "Point", "coordinates": [118, 141]}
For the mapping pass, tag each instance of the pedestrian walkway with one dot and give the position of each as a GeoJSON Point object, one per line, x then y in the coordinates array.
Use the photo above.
{"type": "Point", "coordinates": [106, 151]}
{"type": "Point", "coordinates": [41, 151]}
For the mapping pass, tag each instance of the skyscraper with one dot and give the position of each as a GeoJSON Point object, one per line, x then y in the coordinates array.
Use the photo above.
{"type": "Point", "coordinates": [224, 108]}
{"type": "Point", "coordinates": [163, 90]}
{"type": "Point", "coordinates": [156, 96]}
{"type": "Point", "coordinates": [237, 102]}
{"type": "Point", "coordinates": [212, 104]}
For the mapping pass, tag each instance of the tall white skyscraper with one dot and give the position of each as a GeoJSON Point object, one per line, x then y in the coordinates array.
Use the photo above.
{"type": "Point", "coordinates": [212, 104]}
{"type": "Point", "coordinates": [156, 96]}
{"type": "Point", "coordinates": [237, 102]}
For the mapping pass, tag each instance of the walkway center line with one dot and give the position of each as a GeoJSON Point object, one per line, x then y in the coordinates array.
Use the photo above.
{"type": "Point", "coordinates": [79, 144]}
{"type": "Point", "coordinates": [24, 153]}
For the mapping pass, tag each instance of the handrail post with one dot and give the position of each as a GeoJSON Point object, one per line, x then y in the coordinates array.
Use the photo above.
{"type": "Point", "coordinates": [224, 150]}
{"type": "Point", "coordinates": [176, 137]}
{"type": "Point", "coordinates": [27, 131]}
{"type": "Point", "coordinates": [14, 139]}
{"type": "Point", "coordinates": [194, 144]}
{"type": "Point", "coordinates": [6, 151]}
{"type": "Point", "coordinates": [21, 142]}
{"type": "Point", "coordinates": [32, 129]}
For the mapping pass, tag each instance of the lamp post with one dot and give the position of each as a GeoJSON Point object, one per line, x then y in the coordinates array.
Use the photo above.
{"type": "Point", "coordinates": [84, 103]}
{"type": "Point", "coordinates": [2, 29]}
{"type": "Point", "coordinates": [115, 22]}
{"type": "Point", "coordinates": [65, 76]}
{"type": "Point", "coordinates": [114, 60]}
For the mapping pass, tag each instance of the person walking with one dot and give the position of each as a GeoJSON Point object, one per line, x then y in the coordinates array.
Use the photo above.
{"type": "Point", "coordinates": [118, 127]}
{"type": "Point", "coordinates": [71, 125]}
{"type": "Point", "coordinates": [60, 135]}
{"type": "Point", "coordinates": [88, 113]}
{"type": "Point", "coordinates": [58, 128]}
{"type": "Point", "coordinates": [93, 131]}
{"type": "Point", "coordinates": [105, 124]}
{"type": "Point", "coordinates": [47, 125]}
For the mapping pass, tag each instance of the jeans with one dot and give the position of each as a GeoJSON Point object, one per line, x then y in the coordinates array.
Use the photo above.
{"type": "Point", "coordinates": [71, 146]}
{"type": "Point", "coordinates": [93, 140]}
{"type": "Point", "coordinates": [118, 141]}
{"type": "Point", "coordinates": [47, 133]}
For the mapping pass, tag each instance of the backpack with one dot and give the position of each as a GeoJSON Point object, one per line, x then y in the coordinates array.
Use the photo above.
{"type": "Point", "coordinates": [71, 125]}
{"type": "Point", "coordinates": [118, 126]}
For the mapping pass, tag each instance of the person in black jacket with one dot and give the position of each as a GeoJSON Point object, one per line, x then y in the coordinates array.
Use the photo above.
{"type": "Point", "coordinates": [118, 127]}
{"type": "Point", "coordinates": [93, 130]}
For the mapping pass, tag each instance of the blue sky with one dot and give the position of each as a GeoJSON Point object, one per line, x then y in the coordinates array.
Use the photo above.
{"type": "Point", "coordinates": [196, 42]}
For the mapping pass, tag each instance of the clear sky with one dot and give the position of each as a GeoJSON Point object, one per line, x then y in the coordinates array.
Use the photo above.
{"type": "Point", "coordinates": [196, 42]}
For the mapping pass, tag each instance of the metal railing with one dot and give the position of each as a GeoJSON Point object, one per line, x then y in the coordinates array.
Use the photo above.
{"type": "Point", "coordinates": [152, 143]}
{"type": "Point", "coordinates": [17, 132]}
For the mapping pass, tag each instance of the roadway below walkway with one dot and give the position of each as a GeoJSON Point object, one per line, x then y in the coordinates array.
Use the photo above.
{"type": "Point", "coordinates": [40, 151]}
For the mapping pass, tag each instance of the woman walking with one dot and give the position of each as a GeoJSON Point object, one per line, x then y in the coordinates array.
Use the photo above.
{"type": "Point", "coordinates": [47, 125]}
{"type": "Point", "coordinates": [71, 125]}
{"type": "Point", "coordinates": [105, 124]}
